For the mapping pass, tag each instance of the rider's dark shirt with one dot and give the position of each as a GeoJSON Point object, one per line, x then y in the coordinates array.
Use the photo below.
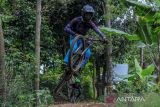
{"type": "Point", "coordinates": [77, 25]}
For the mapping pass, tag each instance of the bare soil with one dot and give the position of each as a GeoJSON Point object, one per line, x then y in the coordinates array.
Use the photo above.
{"type": "Point", "coordinates": [83, 105]}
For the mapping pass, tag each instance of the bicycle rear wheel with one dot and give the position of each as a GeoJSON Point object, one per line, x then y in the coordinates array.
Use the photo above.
{"type": "Point", "coordinates": [76, 57]}
{"type": "Point", "coordinates": [63, 79]}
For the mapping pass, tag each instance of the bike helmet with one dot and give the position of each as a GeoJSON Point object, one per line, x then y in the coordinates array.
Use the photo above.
{"type": "Point", "coordinates": [87, 9]}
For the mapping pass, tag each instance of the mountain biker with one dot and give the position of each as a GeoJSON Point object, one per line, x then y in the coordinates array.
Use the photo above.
{"type": "Point", "coordinates": [76, 86]}
{"type": "Point", "coordinates": [80, 25]}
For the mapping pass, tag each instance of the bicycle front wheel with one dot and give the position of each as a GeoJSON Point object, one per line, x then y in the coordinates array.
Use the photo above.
{"type": "Point", "coordinates": [76, 57]}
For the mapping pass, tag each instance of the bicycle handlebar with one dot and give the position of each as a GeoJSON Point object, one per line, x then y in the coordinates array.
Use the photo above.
{"type": "Point", "coordinates": [92, 39]}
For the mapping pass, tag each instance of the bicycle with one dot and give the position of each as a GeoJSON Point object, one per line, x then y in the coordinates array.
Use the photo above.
{"type": "Point", "coordinates": [76, 57]}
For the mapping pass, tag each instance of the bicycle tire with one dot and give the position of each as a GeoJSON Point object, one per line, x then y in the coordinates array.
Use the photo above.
{"type": "Point", "coordinates": [79, 37]}
{"type": "Point", "coordinates": [73, 97]}
{"type": "Point", "coordinates": [62, 82]}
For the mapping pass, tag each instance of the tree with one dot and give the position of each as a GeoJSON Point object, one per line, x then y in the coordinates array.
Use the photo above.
{"type": "Point", "coordinates": [107, 75]}
{"type": "Point", "coordinates": [37, 49]}
{"type": "Point", "coordinates": [98, 75]}
{"type": "Point", "coordinates": [2, 67]}
{"type": "Point", "coordinates": [149, 28]}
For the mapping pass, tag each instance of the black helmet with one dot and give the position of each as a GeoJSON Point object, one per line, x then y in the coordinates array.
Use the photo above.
{"type": "Point", "coordinates": [87, 9]}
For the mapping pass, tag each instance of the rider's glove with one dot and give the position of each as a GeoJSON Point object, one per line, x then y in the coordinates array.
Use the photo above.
{"type": "Point", "coordinates": [89, 42]}
{"type": "Point", "coordinates": [75, 34]}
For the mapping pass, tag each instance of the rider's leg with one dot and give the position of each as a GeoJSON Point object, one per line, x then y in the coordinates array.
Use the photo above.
{"type": "Point", "coordinates": [66, 59]}
{"type": "Point", "coordinates": [87, 55]}
{"type": "Point", "coordinates": [72, 93]}
{"type": "Point", "coordinates": [79, 93]}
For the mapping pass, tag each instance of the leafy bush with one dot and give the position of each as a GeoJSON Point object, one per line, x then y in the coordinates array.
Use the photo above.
{"type": "Point", "coordinates": [45, 97]}
{"type": "Point", "coordinates": [139, 80]}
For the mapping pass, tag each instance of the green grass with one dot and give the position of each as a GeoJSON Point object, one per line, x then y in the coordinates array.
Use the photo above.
{"type": "Point", "coordinates": [151, 100]}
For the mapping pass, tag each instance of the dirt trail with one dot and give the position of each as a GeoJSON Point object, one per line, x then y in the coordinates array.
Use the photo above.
{"type": "Point", "coordinates": [83, 105]}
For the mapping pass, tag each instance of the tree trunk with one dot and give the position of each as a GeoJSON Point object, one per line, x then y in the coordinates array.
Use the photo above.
{"type": "Point", "coordinates": [108, 74]}
{"type": "Point", "coordinates": [97, 75]}
{"type": "Point", "coordinates": [2, 68]}
{"type": "Point", "coordinates": [108, 51]}
{"type": "Point", "coordinates": [104, 73]}
{"type": "Point", "coordinates": [94, 80]}
{"type": "Point", "coordinates": [37, 50]}
{"type": "Point", "coordinates": [158, 70]}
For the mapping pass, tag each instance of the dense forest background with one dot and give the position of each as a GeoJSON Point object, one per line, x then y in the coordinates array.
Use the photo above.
{"type": "Point", "coordinates": [132, 26]}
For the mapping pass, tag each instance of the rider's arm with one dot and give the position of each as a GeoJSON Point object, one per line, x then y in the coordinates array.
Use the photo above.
{"type": "Point", "coordinates": [96, 29]}
{"type": "Point", "coordinates": [69, 26]}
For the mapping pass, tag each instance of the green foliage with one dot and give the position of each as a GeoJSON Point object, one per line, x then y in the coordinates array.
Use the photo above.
{"type": "Point", "coordinates": [142, 77]}
{"type": "Point", "coordinates": [19, 30]}
{"type": "Point", "coordinates": [145, 72]}
{"type": "Point", "coordinates": [157, 22]}
{"type": "Point", "coordinates": [26, 100]}
{"type": "Point", "coordinates": [138, 68]}
{"type": "Point", "coordinates": [50, 78]}
{"type": "Point", "coordinates": [146, 22]}
{"type": "Point", "coordinates": [4, 6]}
{"type": "Point", "coordinates": [87, 87]}
{"type": "Point", "coordinates": [148, 71]}
{"type": "Point", "coordinates": [19, 93]}
{"type": "Point", "coordinates": [45, 97]}
{"type": "Point", "coordinates": [87, 82]}
{"type": "Point", "coordinates": [138, 4]}
{"type": "Point", "coordinates": [157, 2]}
{"type": "Point", "coordinates": [147, 100]}
{"type": "Point", "coordinates": [108, 31]}
{"type": "Point", "coordinates": [139, 80]}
